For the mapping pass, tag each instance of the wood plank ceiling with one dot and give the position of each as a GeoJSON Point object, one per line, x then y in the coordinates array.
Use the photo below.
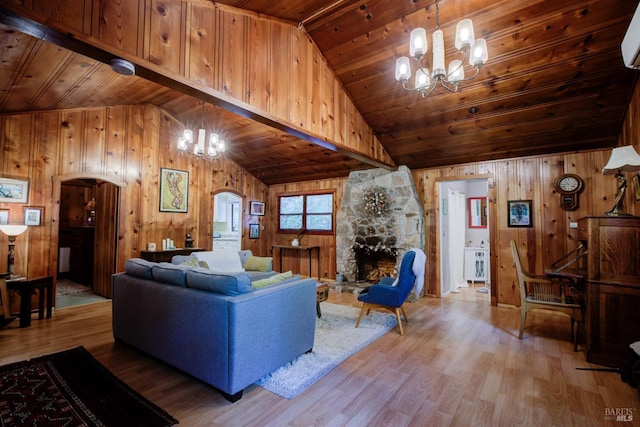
{"type": "Point", "coordinates": [554, 83]}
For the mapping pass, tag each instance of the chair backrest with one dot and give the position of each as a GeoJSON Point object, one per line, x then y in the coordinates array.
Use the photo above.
{"type": "Point", "coordinates": [406, 278]}
{"type": "Point", "coordinates": [519, 271]}
{"type": "Point", "coordinates": [543, 290]}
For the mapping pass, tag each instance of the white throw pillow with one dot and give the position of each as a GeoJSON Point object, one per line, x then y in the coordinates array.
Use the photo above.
{"type": "Point", "coordinates": [222, 260]}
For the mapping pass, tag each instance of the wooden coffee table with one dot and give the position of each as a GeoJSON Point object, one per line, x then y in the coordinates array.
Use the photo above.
{"type": "Point", "coordinates": [322, 293]}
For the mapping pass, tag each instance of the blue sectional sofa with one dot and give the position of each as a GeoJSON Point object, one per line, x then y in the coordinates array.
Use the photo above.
{"type": "Point", "coordinates": [213, 326]}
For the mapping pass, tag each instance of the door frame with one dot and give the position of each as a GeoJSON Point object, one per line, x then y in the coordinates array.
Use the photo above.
{"type": "Point", "coordinates": [57, 189]}
{"type": "Point", "coordinates": [491, 205]}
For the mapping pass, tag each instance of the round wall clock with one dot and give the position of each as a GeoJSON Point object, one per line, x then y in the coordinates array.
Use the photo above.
{"type": "Point", "coordinates": [569, 186]}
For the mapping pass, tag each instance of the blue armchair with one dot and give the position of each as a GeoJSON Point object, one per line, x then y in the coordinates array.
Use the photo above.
{"type": "Point", "coordinates": [384, 295]}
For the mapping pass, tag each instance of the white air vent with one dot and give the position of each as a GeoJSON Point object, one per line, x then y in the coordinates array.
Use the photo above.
{"type": "Point", "coordinates": [631, 42]}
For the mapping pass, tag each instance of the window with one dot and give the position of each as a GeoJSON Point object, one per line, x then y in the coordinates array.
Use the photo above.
{"type": "Point", "coordinates": [311, 212]}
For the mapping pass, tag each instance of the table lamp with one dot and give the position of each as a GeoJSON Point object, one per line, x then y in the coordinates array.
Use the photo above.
{"type": "Point", "coordinates": [12, 231]}
{"type": "Point", "coordinates": [623, 159]}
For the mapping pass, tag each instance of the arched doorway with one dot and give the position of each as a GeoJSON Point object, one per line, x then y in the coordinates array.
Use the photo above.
{"type": "Point", "coordinates": [227, 220]}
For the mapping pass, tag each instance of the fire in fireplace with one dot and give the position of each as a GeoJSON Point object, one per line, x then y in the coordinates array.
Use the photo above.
{"type": "Point", "coordinates": [373, 265]}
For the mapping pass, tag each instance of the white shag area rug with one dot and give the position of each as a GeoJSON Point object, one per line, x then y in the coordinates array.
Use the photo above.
{"type": "Point", "coordinates": [336, 339]}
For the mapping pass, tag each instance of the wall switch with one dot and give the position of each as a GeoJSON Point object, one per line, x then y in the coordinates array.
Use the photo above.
{"type": "Point", "coordinates": [573, 225]}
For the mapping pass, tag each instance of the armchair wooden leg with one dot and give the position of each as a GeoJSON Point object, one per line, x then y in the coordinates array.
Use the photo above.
{"type": "Point", "coordinates": [364, 306]}
{"type": "Point", "coordinates": [397, 311]}
{"type": "Point", "coordinates": [523, 318]}
{"type": "Point", "coordinates": [406, 319]}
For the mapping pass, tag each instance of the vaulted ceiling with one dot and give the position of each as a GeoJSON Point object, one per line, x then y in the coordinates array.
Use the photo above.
{"type": "Point", "coordinates": [554, 82]}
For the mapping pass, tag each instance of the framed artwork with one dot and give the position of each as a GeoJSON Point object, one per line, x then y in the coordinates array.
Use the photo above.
{"type": "Point", "coordinates": [254, 231]}
{"type": "Point", "coordinates": [256, 208]}
{"type": "Point", "coordinates": [519, 213]}
{"type": "Point", "coordinates": [14, 190]}
{"type": "Point", "coordinates": [636, 185]}
{"type": "Point", "coordinates": [33, 215]}
{"type": "Point", "coordinates": [174, 190]}
{"type": "Point", "coordinates": [4, 216]}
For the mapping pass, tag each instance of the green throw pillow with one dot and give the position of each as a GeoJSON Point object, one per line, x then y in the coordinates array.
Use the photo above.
{"type": "Point", "coordinates": [271, 280]}
{"type": "Point", "coordinates": [257, 263]}
{"type": "Point", "coordinates": [192, 262]}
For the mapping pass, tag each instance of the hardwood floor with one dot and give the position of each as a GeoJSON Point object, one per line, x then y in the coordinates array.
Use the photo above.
{"type": "Point", "coordinates": [458, 364]}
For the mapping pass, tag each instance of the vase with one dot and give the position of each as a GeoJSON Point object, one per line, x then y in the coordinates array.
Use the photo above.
{"type": "Point", "coordinates": [295, 242]}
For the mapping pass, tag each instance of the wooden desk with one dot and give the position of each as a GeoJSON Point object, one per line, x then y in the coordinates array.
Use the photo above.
{"type": "Point", "coordinates": [309, 250]}
{"type": "Point", "coordinates": [166, 255]}
{"type": "Point", "coordinates": [25, 288]}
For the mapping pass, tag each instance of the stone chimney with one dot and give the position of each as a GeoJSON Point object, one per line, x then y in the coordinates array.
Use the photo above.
{"type": "Point", "coordinates": [380, 212]}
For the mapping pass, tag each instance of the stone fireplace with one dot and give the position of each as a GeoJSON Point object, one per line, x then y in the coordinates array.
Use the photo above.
{"type": "Point", "coordinates": [379, 219]}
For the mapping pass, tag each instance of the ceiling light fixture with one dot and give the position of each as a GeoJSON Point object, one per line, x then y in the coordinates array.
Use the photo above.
{"type": "Point", "coordinates": [123, 67]}
{"type": "Point", "coordinates": [214, 148]}
{"type": "Point", "coordinates": [466, 43]}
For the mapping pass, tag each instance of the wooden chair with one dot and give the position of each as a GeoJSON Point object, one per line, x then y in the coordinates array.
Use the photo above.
{"type": "Point", "coordinates": [538, 292]}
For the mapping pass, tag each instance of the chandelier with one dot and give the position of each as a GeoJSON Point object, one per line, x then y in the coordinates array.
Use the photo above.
{"type": "Point", "coordinates": [213, 149]}
{"type": "Point", "coordinates": [425, 82]}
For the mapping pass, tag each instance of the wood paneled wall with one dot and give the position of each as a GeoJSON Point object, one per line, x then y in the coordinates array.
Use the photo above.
{"type": "Point", "coordinates": [127, 145]}
{"type": "Point", "coordinates": [272, 66]}
{"type": "Point", "coordinates": [516, 179]}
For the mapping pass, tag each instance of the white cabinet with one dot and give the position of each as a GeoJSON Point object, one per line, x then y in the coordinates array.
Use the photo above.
{"type": "Point", "coordinates": [476, 264]}
{"type": "Point", "coordinates": [226, 244]}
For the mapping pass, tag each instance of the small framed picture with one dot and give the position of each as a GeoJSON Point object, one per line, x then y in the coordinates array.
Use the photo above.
{"type": "Point", "coordinates": [14, 190]}
{"type": "Point", "coordinates": [519, 213]}
{"type": "Point", "coordinates": [4, 216]}
{"type": "Point", "coordinates": [33, 215]}
{"type": "Point", "coordinates": [254, 231]}
{"type": "Point", "coordinates": [636, 185]}
{"type": "Point", "coordinates": [256, 208]}
{"type": "Point", "coordinates": [174, 190]}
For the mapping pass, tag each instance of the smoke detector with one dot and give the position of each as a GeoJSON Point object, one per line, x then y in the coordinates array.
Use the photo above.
{"type": "Point", "coordinates": [123, 67]}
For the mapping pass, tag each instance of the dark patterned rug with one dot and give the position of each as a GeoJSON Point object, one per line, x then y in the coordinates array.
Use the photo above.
{"type": "Point", "coordinates": [72, 388]}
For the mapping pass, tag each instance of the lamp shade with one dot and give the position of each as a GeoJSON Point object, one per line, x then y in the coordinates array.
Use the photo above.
{"type": "Point", "coordinates": [13, 230]}
{"type": "Point", "coordinates": [622, 159]}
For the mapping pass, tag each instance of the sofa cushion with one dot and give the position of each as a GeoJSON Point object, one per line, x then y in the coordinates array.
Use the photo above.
{"type": "Point", "coordinates": [221, 260]}
{"type": "Point", "coordinates": [170, 274]}
{"type": "Point", "coordinates": [222, 283]}
{"type": "Point", "coordinates": [244, 254]}
{"type": "Point", "coordinates": [258, 263]}
{"type": "Point", "coordinates": [139, 267]}
{"type": "Point", "coordinates": [257, 284]}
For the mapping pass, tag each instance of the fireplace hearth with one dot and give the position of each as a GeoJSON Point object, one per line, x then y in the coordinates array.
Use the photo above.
{"type": "Point", "coordinates": [373, 265]}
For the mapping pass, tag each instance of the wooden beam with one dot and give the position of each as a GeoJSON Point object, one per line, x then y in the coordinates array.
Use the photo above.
{"type": "Point", "coordinates": [151, 72]}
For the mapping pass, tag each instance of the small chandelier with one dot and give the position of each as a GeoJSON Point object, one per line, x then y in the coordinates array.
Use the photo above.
{"type": "Point", "coordinates": [213, 149]}
{"type": "Point", "coordinates": [466, 43]}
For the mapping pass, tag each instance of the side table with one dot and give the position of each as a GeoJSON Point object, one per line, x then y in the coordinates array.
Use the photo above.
{"type": "Point", "coordinates": [322, 294]}
{"type": "Point", "coordinates": [166, 255]}
{"type": "Point", "coordinates": [25, 288]}
{"type": "Point", "coordinates": [309, 250]}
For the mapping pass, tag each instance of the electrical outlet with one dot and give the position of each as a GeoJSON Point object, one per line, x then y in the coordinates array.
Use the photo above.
{"type": "Point", "coordinates": [573, 225]}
